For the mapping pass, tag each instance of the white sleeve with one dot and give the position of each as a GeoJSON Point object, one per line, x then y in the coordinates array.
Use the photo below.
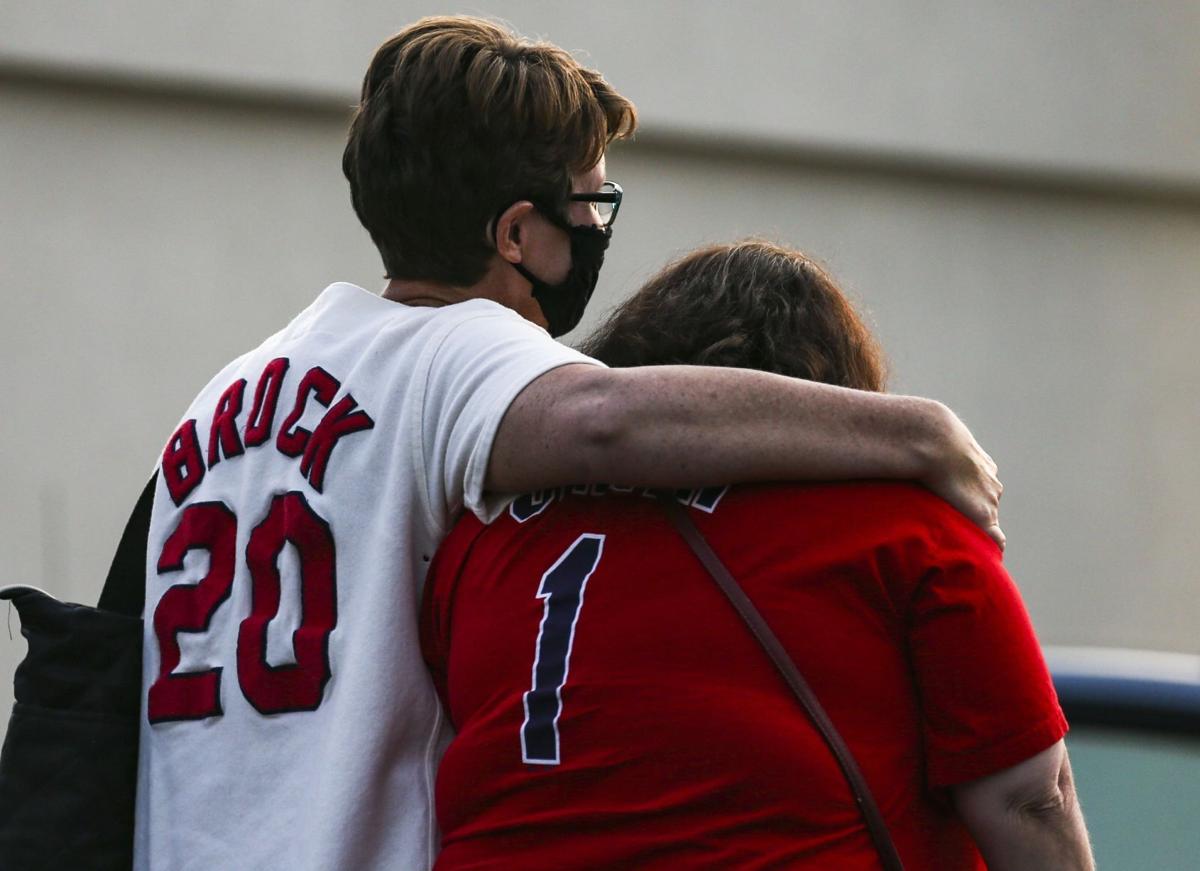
{"type": "Point", "coordinates": [480, 366]}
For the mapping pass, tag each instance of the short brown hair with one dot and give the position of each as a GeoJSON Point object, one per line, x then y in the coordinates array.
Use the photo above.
{"type": "Point", "coordinates": [750, 304]}
{"type": "Point", "coordinates": [460, 118]}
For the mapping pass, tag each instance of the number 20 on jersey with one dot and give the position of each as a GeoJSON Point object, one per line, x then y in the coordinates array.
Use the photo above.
{"type": "Point", "coordinates": [212, 527]}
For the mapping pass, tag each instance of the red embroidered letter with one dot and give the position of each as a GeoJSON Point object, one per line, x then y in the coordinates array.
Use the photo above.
{"type": "Point", "coordinates": [322, 385]}
{"type": "Point", "coordinates": [223, 435]}
{"type": "Point", "coordinates": [182, 464]}
{"type": "Point", "coordinates": [266, 397]}
{"type": "Point", "coordinates": [340, 420]}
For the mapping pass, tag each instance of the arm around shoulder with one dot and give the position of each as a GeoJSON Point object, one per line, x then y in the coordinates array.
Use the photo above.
{"type": "Point", "coordinates": [1027, 817]}
{"type": "Point", "coordinates": [677, 426]}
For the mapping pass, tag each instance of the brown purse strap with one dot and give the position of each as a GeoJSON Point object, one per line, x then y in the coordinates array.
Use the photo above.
{"type": "Point", "coordinates": [799, 686]}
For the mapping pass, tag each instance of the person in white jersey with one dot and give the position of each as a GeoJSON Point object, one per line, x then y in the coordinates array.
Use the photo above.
{"type": "Point", "coordinates": [289, 721]}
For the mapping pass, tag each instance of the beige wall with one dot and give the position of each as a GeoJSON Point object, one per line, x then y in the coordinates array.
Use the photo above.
{"type": "Point", "coordinates": [1104, 88]}
{"type": "Point", "coordinates": [170, 194]}
{"type": "Point", "coordinates": [1062, 327]}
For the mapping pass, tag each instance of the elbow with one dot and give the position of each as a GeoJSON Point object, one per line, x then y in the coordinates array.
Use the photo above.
{"type": "Point", "coordinates": [1046, 806]}
{"type": "Point", "coordinates": [1028, 816]}
{"type": "Point", "coordinates": [597, 414]}
{"type": "Point", "coordinates": [1051, 800]}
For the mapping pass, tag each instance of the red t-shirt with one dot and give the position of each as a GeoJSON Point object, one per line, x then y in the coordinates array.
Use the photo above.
{"type": "Point", "coordinates": [613, 711]}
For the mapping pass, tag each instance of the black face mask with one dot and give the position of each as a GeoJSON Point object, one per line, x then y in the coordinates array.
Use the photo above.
{"type": "Point", "coordinates": [563, 303]}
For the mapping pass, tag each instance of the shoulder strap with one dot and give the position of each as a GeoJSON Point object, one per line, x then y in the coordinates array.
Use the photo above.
{"type": "Point", "coordinates": [125, 587]}
{"type": "Point", "coordinates": [799, 686]}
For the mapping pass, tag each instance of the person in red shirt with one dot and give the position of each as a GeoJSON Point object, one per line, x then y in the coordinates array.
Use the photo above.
{"type": "Point", "coordinates": [611, 709]}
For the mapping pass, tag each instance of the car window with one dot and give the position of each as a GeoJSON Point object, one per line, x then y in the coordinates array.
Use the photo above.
{"type": "Point", "coordinates": [1140, 795]}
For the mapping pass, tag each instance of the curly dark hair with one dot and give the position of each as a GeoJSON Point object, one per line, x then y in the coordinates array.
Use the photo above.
{"type": "Point", "coordinates": [460, 118]}
{"type": "Point", "coordinates": [751, 304]}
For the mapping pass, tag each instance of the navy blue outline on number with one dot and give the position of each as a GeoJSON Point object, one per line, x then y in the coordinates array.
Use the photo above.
{"type": "Point", "coordinates": [535, 731]}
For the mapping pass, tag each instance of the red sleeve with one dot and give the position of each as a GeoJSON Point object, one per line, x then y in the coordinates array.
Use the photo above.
{"type": "Point", "coordinates": [986, 695]}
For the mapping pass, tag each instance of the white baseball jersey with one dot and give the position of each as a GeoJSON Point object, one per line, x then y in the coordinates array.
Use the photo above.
{"type": "Point", "coordinates": [289, 721]}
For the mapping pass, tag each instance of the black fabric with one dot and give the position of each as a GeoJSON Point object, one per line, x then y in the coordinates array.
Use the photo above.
{"type": "Point", "coordinates": [563, 304]}
{"type": "Point", "coordinates": [68, 768]}
{"type": "Point", "coordinates": [80, 659]}
{"type": "Point", "coordinates": [125, 587]}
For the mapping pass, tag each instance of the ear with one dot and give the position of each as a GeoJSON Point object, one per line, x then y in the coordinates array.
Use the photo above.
{"type": "Point", "coordinates": [509, 226]}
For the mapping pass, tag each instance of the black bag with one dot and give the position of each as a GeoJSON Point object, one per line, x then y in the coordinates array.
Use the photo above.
{"type": "Point", "coordinates": [68, 769]}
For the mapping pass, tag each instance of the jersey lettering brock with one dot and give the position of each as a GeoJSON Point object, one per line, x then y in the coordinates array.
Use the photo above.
{"type": "Point", "coordinates": [212, 527]}
{"type": "Point", "coordinates": [184, 463]}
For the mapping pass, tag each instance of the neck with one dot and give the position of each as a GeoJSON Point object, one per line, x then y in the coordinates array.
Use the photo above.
{"type": "Point", "coordinates": [424, 292]}
{"type": "Point", "coordinates": [499, 283]}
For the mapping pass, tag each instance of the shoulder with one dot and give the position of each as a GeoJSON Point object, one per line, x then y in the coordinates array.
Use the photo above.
{"type": "Point", "coordinates": [878, 512]}
{"type": "Point", "coordinates": [479, 329]}
{"type": "Point", "coordinates": [484, 314]}
{"type": "Point", "coordinates": [882, 499]}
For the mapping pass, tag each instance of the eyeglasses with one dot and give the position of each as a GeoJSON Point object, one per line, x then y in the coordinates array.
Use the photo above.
{"type": "Point", "coordinates": [607, 201]}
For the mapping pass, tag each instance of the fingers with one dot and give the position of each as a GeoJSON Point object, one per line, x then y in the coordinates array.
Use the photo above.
{"type": "Point", "coordinates": [988, 508]}
{"type": "Point", "coordinates": [987, 462]}
{"type": "Point", "coordinates": [969, 480]}
{"type": "Point", "coordinates": [991, 522]}
{"type": "Point", "coordinates": [987, 517]}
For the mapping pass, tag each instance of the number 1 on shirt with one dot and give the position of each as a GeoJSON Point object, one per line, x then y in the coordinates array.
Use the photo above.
{"type": "Point", "coordinates": [562, 589]}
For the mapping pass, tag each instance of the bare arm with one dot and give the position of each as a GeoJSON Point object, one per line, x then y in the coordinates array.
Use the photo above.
{"type": "Point", "coordinates": [1027, 817]}
{"type": "Point", "coordinates": [677, 426]}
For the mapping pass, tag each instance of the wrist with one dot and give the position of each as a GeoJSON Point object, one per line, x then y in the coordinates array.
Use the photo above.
{"type": "Point", "coordinates": [930, 437]}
